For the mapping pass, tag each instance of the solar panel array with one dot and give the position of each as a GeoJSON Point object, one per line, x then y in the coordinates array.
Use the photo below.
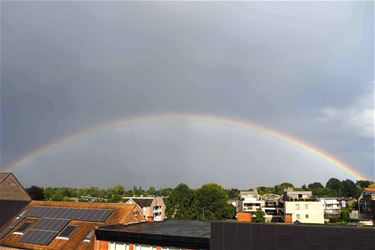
{"type": "Point", "coordinates": [48, 224]}
{"type": "Point", "coordinates": [38, 237]}
{"type": "Point", "coordinates": [82, 214]}
{"type": "Point", "coordinates": [10, 227]}
{"type": "Point", "coordinates": [44, 231]}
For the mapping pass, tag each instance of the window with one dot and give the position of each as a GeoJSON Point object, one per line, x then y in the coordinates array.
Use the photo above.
{"type": "Point", "coordinates": [67, 232]}
{"type": "Point", "coordinates": [298, 216]}
{"type": "Point", "coordinates": [306, 216]}
{"type": "Point", "coordinates": [23, 227]}
{"type": "Point", "coordinates": [306, 206]}
{"type": "Point", "coordinates": [297, 206]}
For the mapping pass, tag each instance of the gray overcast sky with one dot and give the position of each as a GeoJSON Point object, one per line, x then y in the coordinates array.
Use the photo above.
{"type": "Point", "coordinates": [305, 69]}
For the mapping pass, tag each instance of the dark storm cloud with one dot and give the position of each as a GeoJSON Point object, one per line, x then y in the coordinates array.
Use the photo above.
{"type": "Point", "coordinates": [302, 68]}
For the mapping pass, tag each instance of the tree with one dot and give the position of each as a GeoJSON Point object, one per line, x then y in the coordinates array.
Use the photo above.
{"type": "Point", "coordinates": [279, 189]}
{"type": "Point", "coordinates": [35, 193]}
{"type": "Point", "coordinates": [345, 216]}
{"type": "Point", "coordinates": [233, 193]}
{"type": "Point", "coordinates": [53, 194]}
{"type": "Point", "coordinates": [349, 189]}
{"type": "Point", "coordinates": [335, 185]}
{"type": "Point", "coordinates": [259, 216]}
{"type": "Point", "coordinates": [363, 183]}
{"type": "Point", "coordinates": [315, 185]}
{"type": "Point", "coordinates": [212, 203]}
{"type": "Point", "coordinates": [179, 203]}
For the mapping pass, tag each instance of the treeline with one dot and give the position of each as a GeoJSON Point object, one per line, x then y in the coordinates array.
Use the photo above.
{"type": "Point", "coordinates": [333, 187]}
{"type": "Point", "coordinates": [112, 194]}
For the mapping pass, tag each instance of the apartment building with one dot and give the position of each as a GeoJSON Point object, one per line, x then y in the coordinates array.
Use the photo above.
{"type": "Point", "coordinates": [153, 208]}
{"type": "Point", "coordinates": [302, 207]}
{"type": "Point", "coordinates": [305, 211]}
{"type": "Point", "coordinates": [332, 208]}
{"type": "Point", "coordinates": [250, 201]}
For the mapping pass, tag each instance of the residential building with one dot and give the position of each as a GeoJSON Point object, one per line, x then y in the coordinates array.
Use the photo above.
{"type": "Point", "coordinates": [305, 211]}
{"type": "Point", "coordinates": [250, 201]}
{"type": "Point", "coordinates": [13, 197]}
{"type": "Point", "coordinates": [224, 235]}
{"type": "Point", "coordinates": [332, 208]}
{"type": "Point", "coordinates": [64, 225]}
{"type": "Point", "coordinates": [165, 235]}
{"type": "Point", "coordinates": [291, 194]}
{"type": "Point", "coordinates": [153, 208]}
{"type": "Point", "coordinates": [366, 204]}
{"type": "Point", "coordinates": [272, 207]}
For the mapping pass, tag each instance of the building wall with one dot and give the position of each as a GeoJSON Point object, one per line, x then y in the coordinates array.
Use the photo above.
{"type": "Point", "coordinates": [251, 236]}
{"type": "Point", "coordinates": [305, 211]}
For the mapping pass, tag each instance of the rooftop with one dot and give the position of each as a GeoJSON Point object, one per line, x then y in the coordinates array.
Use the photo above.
{"type": "Point", "coordinates": [170, 233]}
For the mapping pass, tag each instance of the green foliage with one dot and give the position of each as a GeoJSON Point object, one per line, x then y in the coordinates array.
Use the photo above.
{"type": "Point", "coordinates": [315, 185]}
{"type": "Point", "coordinates": [212, 200]}
{"type": "Point", "coordinates": [35, 193]}
{"type": "Point", "coordinates": [335, 185]}
{"type": "Point", "coordinates": [350, 189]}
{"type": "Point", "coordinates": [364, 183]}
{"type": "Point", "coordinates": [264, 190]}
{"type": "Point", "coordinates": [259, 216]}
{"type": "Point", "coordinates": [279, 189]}
{"type": "Point", "coordinates": [345, 216]}
{"type": "Point", "coordinates": [179, 203]}
{"type": "Point", "coordinates": [233, 193]}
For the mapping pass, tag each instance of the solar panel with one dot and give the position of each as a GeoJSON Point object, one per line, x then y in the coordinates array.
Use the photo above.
{"type": "Point", "coordinates": [38, 237]}
{"type": "Point", "coordinates": [49, 224]}
{"type": "Point", "coordinates": [67, 231]}
{"type": "Point", "coordinates": [23, 227]}
{"type": "Point", "coordinates": [5, 231]}
{"type": "Point", "coordinates": [99, 215]}
{"type": "Point", "coordinates": [10, 227]}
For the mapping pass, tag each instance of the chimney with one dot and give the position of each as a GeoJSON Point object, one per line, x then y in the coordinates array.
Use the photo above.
{"type": "Point", "coordinates": [288, 218]}
{"type": "Point", "coordinates": [246, 217]}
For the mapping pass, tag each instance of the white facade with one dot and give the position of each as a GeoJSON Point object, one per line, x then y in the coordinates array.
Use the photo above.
{"type": "Point", "coordinates": [305, 211]}
{"type": "Point", "coordinates": [251, 201]}
{"type": "Point", "coordinates": [331, 206]}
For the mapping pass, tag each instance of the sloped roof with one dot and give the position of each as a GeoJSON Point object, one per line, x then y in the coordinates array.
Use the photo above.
{"type": "Point", "coordinates": [3, 176]}
{"type": "Point", "coordinates": [121, 214]}
{"type": "Point", "coordinates": [11, 188]}
{"type": "Point", "coordinates": [143, 202]}
{"type": "Point", "coordinates": [370, 189]}
{"type": "Point", "coordinates": [140, 201]}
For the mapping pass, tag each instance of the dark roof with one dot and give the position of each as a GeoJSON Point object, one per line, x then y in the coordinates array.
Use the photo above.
{"type": "Point", "coordinates": [9, 209]}
{"type": "Point", "coordinates": [171, 233]}
{"type": "Point", "coordinates": [143, 202]}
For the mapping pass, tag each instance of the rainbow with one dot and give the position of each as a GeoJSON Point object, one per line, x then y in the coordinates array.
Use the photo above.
{"type": "Point", "coordinates": [240, 123]}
